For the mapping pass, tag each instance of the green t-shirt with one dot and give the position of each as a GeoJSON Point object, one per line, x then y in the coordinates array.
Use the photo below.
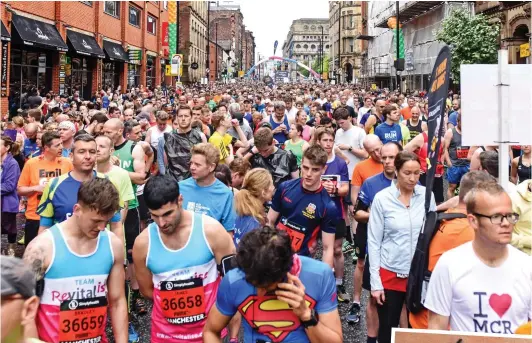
{"type": "Point", "coordinates": [124, 154]}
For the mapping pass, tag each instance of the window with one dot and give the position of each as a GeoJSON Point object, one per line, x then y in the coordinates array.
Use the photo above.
{"type": "Point", "coordinates": [88, 3]}
{"type": "Point", "coordinates": [298, 46]}
{"type": "Point", "coordinates": [312, 47]}
{"type": "Point", "coordinates": [313, 28]}
{"type": "Point", "coordinates": [327, 46]}
{"type": "Point", "coordinates": [134, 16]}
{"type": "Point", "coordinates": [305, 27]}
{"type": "Point", "coordinates": [305, 46]}
{"type": "Point", "coordinates": [151, 25]}
{"type": "Point", "coordinates": [112, 8]}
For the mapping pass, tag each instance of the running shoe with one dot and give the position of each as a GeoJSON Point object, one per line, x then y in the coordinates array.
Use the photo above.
{"type": "Point", "coordinates": [11, 250]}
{"type": "Point", "coordinates": [21, 241]}
{"type": "Point", "coordinates": [347, 247]}
{"type": "Point", "coordinates": [133, 336]}
{"type": "Point", "coordinates": [342, 294]}
{"type": "Point", "coordinates": [353, 316]}
{"type": "Point", "coordinates": [140, 306]}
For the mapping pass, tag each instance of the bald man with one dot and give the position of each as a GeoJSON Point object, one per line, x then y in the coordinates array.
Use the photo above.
{"type": "Point", "coordinates": [376, 119]}
{"type": "Point", "coordinates": [132, 157]}
{"type": "Point", "coordinates": [30, 143]}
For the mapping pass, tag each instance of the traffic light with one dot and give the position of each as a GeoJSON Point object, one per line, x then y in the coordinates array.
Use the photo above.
{"type": "Point", "coordinates": [286, 66]}
{"type": "Point", "coordinates": [399, 64]}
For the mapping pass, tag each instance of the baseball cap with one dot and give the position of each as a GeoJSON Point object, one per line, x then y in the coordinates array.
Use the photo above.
{"type": "Point", "coordinates": [67, 125]}
{"type": "Point", "coordinates": [17, 278]}
{"type": "Point", "coordinates": [266, 124]}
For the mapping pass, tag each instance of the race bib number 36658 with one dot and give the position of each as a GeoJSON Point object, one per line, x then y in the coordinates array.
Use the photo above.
{"type": "Point", "coordinates": [183, 301]}
{"type": "Point", "coordinates": [82, 319]}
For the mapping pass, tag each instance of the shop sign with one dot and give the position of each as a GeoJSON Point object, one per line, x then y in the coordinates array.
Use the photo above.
{"type": "Point", "coordinates": [194, 65]}
{"type": "Point", "coordinates": [42, 64]}
{"type": "Point", "coordinates": [524, 50]}
{"type": "Point", "coordinates": [135, 56]}
{"type": "Point", "coordinates": [177, 65]}
{"type": "Point", "coordinates": [165, 33]}
{"type": "Point", "coordinates": [4, 70]}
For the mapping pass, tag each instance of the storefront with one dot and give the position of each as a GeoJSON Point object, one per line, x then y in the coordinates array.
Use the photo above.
{"type": "Point", "coordinates": [150, 70]}
{"type": "Point", "coordinates": [34, 45]}
{"type": "Point", "coordinates": [81, 61]}
{"type": "Point", "coordinates": [113, 65]}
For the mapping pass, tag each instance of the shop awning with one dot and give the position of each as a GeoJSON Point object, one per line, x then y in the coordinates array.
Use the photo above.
{"type": "Point", "coordinates": [115, 52]}
{"type": "Point", "coordinates": [37, 33]}
{"type": "Point", "coordinates": [5, 36]}
{"type": "Point", "coordinates": [84, 44]}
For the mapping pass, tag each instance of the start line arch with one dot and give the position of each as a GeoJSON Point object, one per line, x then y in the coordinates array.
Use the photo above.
{"type": "Point", "coordinates": [252, 69]}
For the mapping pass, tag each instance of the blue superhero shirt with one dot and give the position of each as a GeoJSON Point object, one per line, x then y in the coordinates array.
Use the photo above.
{"type": "Point", "coordinates": [303, 214]}
{"type": "Point", "coordinates": [267, 319]}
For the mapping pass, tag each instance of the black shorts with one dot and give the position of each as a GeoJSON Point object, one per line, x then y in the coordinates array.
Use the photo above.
{"type": "Point", "coordinates": [31, 229]}
{"type": "Point", "coordinates": [361, 240]}
{"type": "Point", "coordinates": [347, 198]}
{"type": "Point", "coordinates": [144, 214]}
{"type": "Point", "coordinates": [366, 282]}
{"type": "Point", "coordinates": [341, 229]}
{"type": "Point", "coordinates": [9, 223]}
{"type": "Point", "coordinates": [132, 230]}
{"type": "Point", "coordinates": [437, 187]}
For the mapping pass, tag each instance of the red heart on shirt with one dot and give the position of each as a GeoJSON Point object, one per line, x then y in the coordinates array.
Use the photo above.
{"type": "Point", "coordinates": [500, 303]}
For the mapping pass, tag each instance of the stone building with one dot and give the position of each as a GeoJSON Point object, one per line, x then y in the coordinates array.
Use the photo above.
{"type": "Point", "coordinates": [345, 24]}
{"type": "Point", "coordinates": [304, 39]}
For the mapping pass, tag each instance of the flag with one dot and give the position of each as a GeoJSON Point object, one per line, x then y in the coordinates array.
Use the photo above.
{"type": "Point", "coordinates": [439, 79]}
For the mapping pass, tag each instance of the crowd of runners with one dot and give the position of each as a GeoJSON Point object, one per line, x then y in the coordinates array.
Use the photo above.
{"type": "Point", "coordinates": [233, 208]}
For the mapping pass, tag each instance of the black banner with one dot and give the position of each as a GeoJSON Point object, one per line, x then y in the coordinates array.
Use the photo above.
{"type": "Point", "coordinates": [3, 76]}
{"type": "Point", "coordinates": [437, 101]}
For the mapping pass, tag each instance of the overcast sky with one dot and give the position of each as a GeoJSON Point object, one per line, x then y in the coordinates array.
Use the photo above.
{"type": "Point", "coordinates": [270, 20]}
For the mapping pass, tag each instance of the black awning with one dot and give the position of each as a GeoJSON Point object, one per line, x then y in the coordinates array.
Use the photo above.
{"type": "Point", "coordinates": [5, 34]}
{"type": "Point", "coordinates": [84, 44]}
{"type": "Point", "coordinates": [37, 33]}
{"type": "Point", "coordinates": [115, 52]}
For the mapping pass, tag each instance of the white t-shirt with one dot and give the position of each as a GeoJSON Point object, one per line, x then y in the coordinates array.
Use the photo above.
{"type": "Point", "coordinates": [479, 298]}
{"type": "Point", "coordinates": [355, 138]}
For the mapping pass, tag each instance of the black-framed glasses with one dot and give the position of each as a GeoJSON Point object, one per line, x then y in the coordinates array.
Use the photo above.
{"type": "Point", "coordinates": [496, 219]}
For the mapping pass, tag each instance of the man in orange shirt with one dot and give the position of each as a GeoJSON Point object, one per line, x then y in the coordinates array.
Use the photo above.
{"type": "Point", "coordinates": [406, 112]}
{"type": "Point", "coordinates": [367, 168]}
{"type": "Point", "coordinates": [35, 175]}
{"type": "Point", "coordinates": [450, 235]}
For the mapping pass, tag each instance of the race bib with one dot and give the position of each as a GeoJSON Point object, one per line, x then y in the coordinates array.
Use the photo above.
{"type": "Point", "coordinates": [183, 301]}
{"type": "Point", "coordinates": [296, 233]}
{"type": "Point", "coordinates": [462, 152]}
{"type": "Point", "coordinates": [82, 319]}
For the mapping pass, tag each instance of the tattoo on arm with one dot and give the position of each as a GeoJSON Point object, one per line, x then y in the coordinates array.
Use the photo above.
{"type": "Point", "coordinates": [34, 258]}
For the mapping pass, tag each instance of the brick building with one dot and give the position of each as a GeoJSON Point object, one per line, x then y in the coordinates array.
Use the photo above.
{"type": "Point", "coordinates": [85, 46]}
{"type": "Point", "coordinates": [249, 50]}
{"type": "Point", "coordinates": [230, 23]}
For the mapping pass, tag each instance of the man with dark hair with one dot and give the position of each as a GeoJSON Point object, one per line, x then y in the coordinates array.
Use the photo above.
{"type": "Point", "coordinates": [35, 175]}
{"type": "Point", "coordinates": [304, 209]}
{"type": "Point", "coordinates": [299, 289]}
{"type": "Point", "coordinates": [280, 163]}
{"type": "Point", "coordinates": [176, 257]}
{"type": "Point", "coordinates": [64, 269]}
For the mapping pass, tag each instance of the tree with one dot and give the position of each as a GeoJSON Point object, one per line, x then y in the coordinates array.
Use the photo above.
{"type": "Point", "coordinates": [473, 40]}
{"type": "Point", "coordinates": [303, 71]}
{"type": "Point", "coordinates": [316, 66]}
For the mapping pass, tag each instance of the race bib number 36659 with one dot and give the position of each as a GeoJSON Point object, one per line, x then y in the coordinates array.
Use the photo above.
{"type": "Point", "coordinates": [82, 319]}
{"type": "Point", "coordinates": [183, 301]}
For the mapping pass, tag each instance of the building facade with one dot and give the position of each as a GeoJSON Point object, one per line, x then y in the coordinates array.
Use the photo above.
{"type": "Point", "coordinates": [304, 39]}
{"type": "Point", "coordinates": [249, 50]}
{"type": "Point", "coordinates": [420, 21]}
{"type": "Point", "coordinates": [193, 39]}
{"type": "Point", "coordinates": [87, 46]}
{"type": "Point", "coordinates": [345, 24]}
{"type": "Point", "coordinates": [516, 26]}
{"type": "Point", "coordinates": [227, 24]}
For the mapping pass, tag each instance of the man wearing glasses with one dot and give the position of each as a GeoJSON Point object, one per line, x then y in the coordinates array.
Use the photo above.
{"type": "Point", "coordinates": [485, 285]}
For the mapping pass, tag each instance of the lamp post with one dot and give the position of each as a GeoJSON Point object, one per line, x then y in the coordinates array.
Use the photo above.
{"type": "Point", "coordinates": [216, 39]}
{"type": "Point", "coordinates": [321, 47]}
{"type": "Point", "coordinates": [339, 37]}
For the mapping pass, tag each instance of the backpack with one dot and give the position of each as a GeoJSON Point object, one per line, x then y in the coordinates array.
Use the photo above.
{"type": "Point", "coordinates": [419, 276]}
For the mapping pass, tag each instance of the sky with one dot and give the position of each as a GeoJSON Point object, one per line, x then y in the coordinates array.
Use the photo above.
{"type": "Point", "coordinates": [270, 20]}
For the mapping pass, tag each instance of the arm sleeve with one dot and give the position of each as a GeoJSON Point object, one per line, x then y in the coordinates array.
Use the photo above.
{"type": "Point", "coordinates": [229, 215]}
{"type": "Point", "coordinates": [357, 178]}
{"type": "Point", "coordinates": [276, 200]}
{"type": "Point", "coordinates": [12, 175]}
{"type": "Point", "coordinates": [46, 208]}
{"type": "Point", "coordinates": [116, 218]}
{"type": "Point", "coordinates": [160, 156]}
{"type": "Point", "coordinates": [330, 219]}
{"type": "Point", "coordinates": [328, 301]}
{"type": "Point", "coordinates": [224, 301]}
{"type": "Point", "coordinates": [292, 163]}
{"type": "Point", "coordinates": [439, 293]}
{"type": "Point", "coordinates": [375, 235]}
{"type": "Point", "coordinates": [344, 173]}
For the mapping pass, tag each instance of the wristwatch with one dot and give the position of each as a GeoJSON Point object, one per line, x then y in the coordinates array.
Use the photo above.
{"type": "Point", "coordinates": [313, 321]}
{"type": "Point", "coordinates": [350, 149]}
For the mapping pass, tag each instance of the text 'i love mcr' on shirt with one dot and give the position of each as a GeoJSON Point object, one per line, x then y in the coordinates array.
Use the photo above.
{"type": "Point", "coordinates": [480, 298]}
